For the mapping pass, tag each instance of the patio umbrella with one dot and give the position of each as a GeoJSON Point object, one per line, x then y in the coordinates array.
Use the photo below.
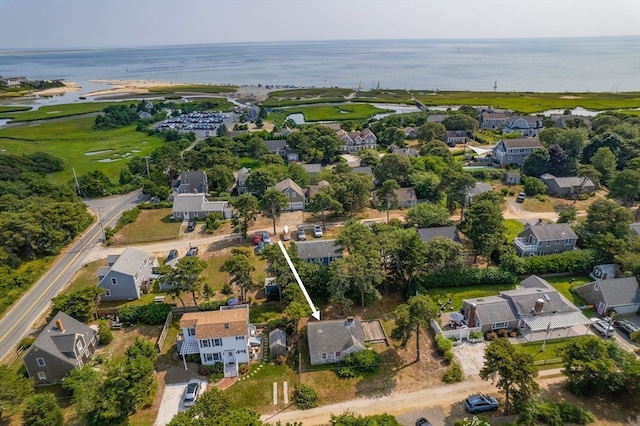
{"type": "Point", "coordinates": [456, 316]}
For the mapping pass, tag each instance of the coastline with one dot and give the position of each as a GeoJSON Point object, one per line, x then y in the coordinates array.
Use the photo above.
{"type": "Point", "coordinates": [54, 91]}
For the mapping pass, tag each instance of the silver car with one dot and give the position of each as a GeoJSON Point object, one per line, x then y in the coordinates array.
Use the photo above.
{"type": "Point", "coordinates": [191, 392]}
{"type": "Point", "coordinates": [602, 327]}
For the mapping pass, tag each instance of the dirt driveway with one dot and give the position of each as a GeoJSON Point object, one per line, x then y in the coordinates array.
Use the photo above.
{"type": "Point", "coordinates": [172, 402]}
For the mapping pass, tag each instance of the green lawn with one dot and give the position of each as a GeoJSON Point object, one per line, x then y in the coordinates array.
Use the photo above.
{"type": "Point", "coordinates": [58, 111]}
{"type": "Point", "coordinates": [340, 112]}
{"type": "Point", "coordinates": [71, 140]}
{"type": "Point", "coordinates": [13, 108]}
{"type": "Point", "coordinates": [249, 163]}
{"type": "Point", "coordinates": [564, 284]}
{"type": "Point", "coordinates": [151, 225]}
{"type": "Point", "coordinates": [535, 350]}
{"type": "Point", "coordinates": [458, 294]}
{"type": "Point", "coordinates": [514, 227]}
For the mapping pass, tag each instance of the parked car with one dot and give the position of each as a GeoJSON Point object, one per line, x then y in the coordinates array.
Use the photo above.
{"type": "Point", "coordinates": [173, 253]}
{"type": "Point", "coordinates": [267, 238]}
{"type": "Point", "coordinates": [521, 197]}
{"type": "Point", "coordinates": [423, 422]}
{"type": "Point", "coordinates": [191, 392]}
{"type": "Point", "coordinates": [317, 231]}
{"type": "Point", "coordinates": [301, 235]}
{"type": "Point", "coordinates": [478, 403]}
{"type": "Point", "coordinates": [191, 226]}
{"type": "Point", "coordinates": [286, 236]}
{"type": "Point", "coordinates": [256, 239]}
{"type": "Point", "coordinates": [626, 326]}
{"type": "Point", "coordinates": [602, 327]}
{"type": "Point", "coordinates": [260, 247]}
{"type": "Point", "coordinates": [193, 251]}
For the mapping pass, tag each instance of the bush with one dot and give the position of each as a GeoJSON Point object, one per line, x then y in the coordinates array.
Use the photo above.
{"type": "Point", "coordinates": [443, 344]}
{"type": "Point", "coordinates": [534, 186]}
{"type": "Point", "coordinates": [26, 342]}
{"type": "Point", "coordinates": [105, 336]}
{"type": "Point", "coordinates": [305, 397]}
{"type": "Point", "coordinates": [453, 374]}
{"type": "Point", "coordinates": [243, 368]}
{"type": "Point", "coordinates": [477, 334]}
{"type": "Point", "coordinates": [212, 305]}
{"type": "Point", "coordinates": [149, 314]}
{"type": "Point", "coordinates": [570, 261]}
{"type": "Point", "coordinates": [554, 414]}
{"type": "Point", "coordinates": [635, 336]}
{"type": "Point", "coordinates": [503, 332]}
{"type": "Point", "coordinates": [357, 363]}
{"type": "Point", "coordinates": [448, 356]}
{"type": "Point", "coordinates": [490, 336]}
{"type": "Point", "coordinates": [214, 369]}
{"type": "Point", "coordinates": [467, 277]}
{"type": "Point", "coordinates": [474, 421]}
{"type": "Point", "coordinates": [280, 359]}
{"type": "Point", "coordinates": [213, 221]}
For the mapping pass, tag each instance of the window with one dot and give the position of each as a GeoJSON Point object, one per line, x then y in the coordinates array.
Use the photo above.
{"type": "Point", "coordinates": [568, 242]}
{"type": "Point", "coordinates": [239, 337]}
{"type": "Point", "coordinates": [204, 343]}
{"type": "Point", "coordinates": [79, 345]}
{"type": "Point", "coordinates": [498, 325]}
{"type": "Point", "coordinates": [208, 357]}
{"type": "Point", "coordinates": [539, 243]}
{"type": "Point", "coordinates": [217, 342]}
{"type": "Point", "coordinates": [108, 293]}
{"type": "Point", "coordinates": [195, 214]}
{"type": "Point", "coordinates": [191, 331]}
{"type": "Point", "coordinates": [337, 354]}
{"type": "Point", "coordinates": [555, 252]}
{"type": "Point", "coordinates": [41, 375]}
{"type": "Point", "coordinates": [324, 355]}
{"type": "Point", "coordinates": [548, 243]}
{"type": "Point", "coordinates": [40, 362]}
{"type": "Point", "coordinates": [226, 325]}
{"type": "Point", "coordinates": [114, 281]}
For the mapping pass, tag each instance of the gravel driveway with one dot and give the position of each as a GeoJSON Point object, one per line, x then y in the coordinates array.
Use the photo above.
{"type": "Point", "coordinates": [171, 402]}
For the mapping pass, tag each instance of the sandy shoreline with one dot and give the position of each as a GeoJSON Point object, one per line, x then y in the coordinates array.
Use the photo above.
{"type": "Point", "coordinates": [54, 91]}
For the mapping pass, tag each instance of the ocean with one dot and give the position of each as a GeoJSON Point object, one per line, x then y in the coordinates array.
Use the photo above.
{"type": "Point", "coordinates": [609, 64]}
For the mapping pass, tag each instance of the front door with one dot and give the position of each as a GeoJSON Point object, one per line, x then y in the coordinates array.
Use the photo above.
{"type": "Point", "coordinates": [186, 215]}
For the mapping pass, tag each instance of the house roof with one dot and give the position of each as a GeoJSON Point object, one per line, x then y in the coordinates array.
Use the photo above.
{"type": "Point", "coordinates": [524, 300]}
{"type": "Point", "coordinates": [522, 143]}
{"type": "Point", "coordinates": [614, 292]}
{"type": "Point", "coordinates": [405, 152]}
{"type": "Point", "coordinates": [363, 169]}
{"type": "Point", "coordinates": [312, 168]}
{"type": "Point", "coordinates": [129, 261]}
{"type": "Point", "coordinates": [456, 133]}
{"type": "Point", "coordinates": [531, 119]}
{"type": "Point", "coordinates": [196, 203]}
{"type": "Point", "coordinates": [550, 231]}
{"type": "Point", "coordinates": [211, 324]}
{"type": "Point", "coordinates": [512, 175]}
{"type": "Point", "coordinates": [405, 194]}
{"type": "Point", "coordinates": [534, 281]}
{"type": "Point", "coordinates": [289, 183]}
{"type": "Point", "coordinates": [428, 234]}
{"type": "Point", "coordinates": [190, 179]}
{"type": "Point", "coordinates": [635, 228]}
{"type": "Point", "coordinates": [318, 249]}
{"type": "Point", "coordinates": [479, 188]}
{"type": "Point", "coordinates": [275, 144]}
{"type": "Point", "coordinates": [334, 335]}
{"type": "Point", "coordinates": [243, 173]}
{"type": "Point", "coordinates": [492, 309]}
{"type": "Point", "coordinates": [312, 189]}
{"type": "Point", "coordinates": [277, 337]}
{"type": "Point", "coordinates": [570, 182]}
{"type": "Point", "coordinates": [61, 343]}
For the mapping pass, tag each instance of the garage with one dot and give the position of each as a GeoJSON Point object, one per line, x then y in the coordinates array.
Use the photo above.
{"type": "Point", "coordinates": [296, 205]}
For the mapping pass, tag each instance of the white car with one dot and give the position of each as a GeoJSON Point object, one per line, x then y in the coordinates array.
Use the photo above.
{"type": "Point", "coordinates": [317, 231]}
{"type": "Point", "coordinates": [602, 327]}
{"type": "Point", "coordinates": [191, 392]}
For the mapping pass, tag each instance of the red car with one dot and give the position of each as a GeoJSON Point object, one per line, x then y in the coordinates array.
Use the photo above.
{"type": "Point", "coordinates": [256, 239]}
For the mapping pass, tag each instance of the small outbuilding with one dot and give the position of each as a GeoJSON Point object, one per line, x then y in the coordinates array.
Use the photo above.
{"type": "Point", "coordinates": [277, 343]}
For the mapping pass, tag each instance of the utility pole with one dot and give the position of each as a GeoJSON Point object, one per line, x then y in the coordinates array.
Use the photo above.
{"type": "Point", "coordinates": [146, 157]}
{"type": "Point", "coordinates": [76, 179]}
{"type": "Point", "coordinates": [104, 235]}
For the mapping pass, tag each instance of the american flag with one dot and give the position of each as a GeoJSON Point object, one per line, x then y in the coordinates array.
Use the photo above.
{"type": "Point", "coordinates": [549, 328]}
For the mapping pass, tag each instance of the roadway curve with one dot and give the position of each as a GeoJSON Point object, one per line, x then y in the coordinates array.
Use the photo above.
{"type": "Point", "coordinates": [18, 321]}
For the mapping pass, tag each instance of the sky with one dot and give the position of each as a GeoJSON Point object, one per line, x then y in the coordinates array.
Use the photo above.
{"type": "Point", "coordinates": [64, 24]}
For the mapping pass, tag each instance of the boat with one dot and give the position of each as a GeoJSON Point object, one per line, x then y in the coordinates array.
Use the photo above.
{"type": "Point", "coordinates": [285, 233]}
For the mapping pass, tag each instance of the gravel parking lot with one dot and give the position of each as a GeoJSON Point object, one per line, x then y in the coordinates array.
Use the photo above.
{"type": "Point", "coordinates": [172, 403]}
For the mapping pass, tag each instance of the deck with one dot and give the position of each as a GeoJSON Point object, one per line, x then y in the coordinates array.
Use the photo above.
{"type": "Point", "coordinates": [373, 332]}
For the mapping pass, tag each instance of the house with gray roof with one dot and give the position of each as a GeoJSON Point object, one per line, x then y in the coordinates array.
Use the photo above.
{"type": "Point", "coordinates": [319, 251]}
{"type": "Point", "coordinates": [406, 197]}
{"type": "Point", "coordinates": [635, 228]}
{"type": "Point", "coordinates": [313, 169]}
{"type": "Point", "coordinates": [604, 272]}
{"type": "Point", "coordinates": [512, 178]}
{"type": "Point", "coordinates": [453, 137]}
{"type": "Point", "coordinates": [565, 121]}
{"type": "Point", "coordinates": [514, 151]}
{"type": "Point", "coordinates": [493, 120]}
{"type": "Point", "coordinates": [564, 186]}
{"type": "Point", "coordinates": [533, 308]}
{"type": "Point", "coordinates": [545, 238]}
{"type": "Point", "coordinates": [406, 152]}
{"type": "Point", "coordinates": [526, 125]}
{"type": "Point", "coordinates": [410, 133]}
{"type": "Point", "coordinates": [428, 234]}
{"type": "Point", "coordinates": [313, 189]}
{"type": "Point", "coordinates": [294, 193]}
{"type": "Point", "coordinates": [277, 344]}
{"type": "Point", "coordinates": [357, 141]}
{"type": "Point", "coordinates": [436, 118]}
{"type": "Point", "coordinates": [363, 169]}
{"type": "Point", "coordinates": [64, 344]}
{"type": "Point", "coordinates": [196, 206]}
{"type": "Point", "coordinates": [277, 146]}
{"type": "Point", "coordinates": [620, 295]}
{"type": "Point", "coordinates": [241, 180]}
{"type": "Point", "coordinates": [477, 189]}
{"type": "Point", "coordinates": [127, 276]}
{"type": "Point", "coordinates": [330, 341]}
{"type": "Point", "coordinates": [193, 182]}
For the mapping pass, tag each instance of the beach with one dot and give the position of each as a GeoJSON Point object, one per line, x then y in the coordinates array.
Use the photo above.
{"type": "Point", "coordinates": [55, 91]}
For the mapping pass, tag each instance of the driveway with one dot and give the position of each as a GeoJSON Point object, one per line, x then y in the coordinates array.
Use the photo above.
{"type": "Point", "coordinates": [172, 403]}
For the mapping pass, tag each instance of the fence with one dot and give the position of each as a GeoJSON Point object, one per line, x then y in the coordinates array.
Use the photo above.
{"type": "Point", "coordinates": [16, 356]}
{"type": "Point", "coordinates": [165, 329]}
{"type": "Point", "coordinates": [458, 333]}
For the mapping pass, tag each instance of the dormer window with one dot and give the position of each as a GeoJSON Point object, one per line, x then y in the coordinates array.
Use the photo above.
{"type": "Point", "coordinates": [226, 325]}
{"type": "Point", "coordinates": [79, 345]}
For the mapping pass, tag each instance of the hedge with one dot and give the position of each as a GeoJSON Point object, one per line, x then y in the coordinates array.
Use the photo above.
{"type": "Point", "coordinates": [150, 314]}
{"type": "Point", "coordinates": [466, 277]}
{"type": "Point", "coordinates": [568, 261]}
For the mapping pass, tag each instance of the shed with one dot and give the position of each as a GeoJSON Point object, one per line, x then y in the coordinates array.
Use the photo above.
{"type": "Point", "coordinates": [277, 343]}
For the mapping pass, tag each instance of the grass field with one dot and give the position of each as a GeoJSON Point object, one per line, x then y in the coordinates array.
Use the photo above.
{"type": "Point", "coordinates": [535, 349]}
{"type": "Point", "coordinates": [341, 112]}
{"type": "Point", "coordinates": [71, 140]}
{"type": "Point", "coordinates": [564, 286]}
{"type": "Point", "coordinates": [151, 225]}
{"type": "Point", "coordinates": [514, 227]}
{"type": "Point", "coordinates": [58, 111]}
{"type": "Point", "coordinates": [458, 294]}
{"type": "Point", "coordinates": [13, 108]}
{"type": "Point", "coordinates": [193, 88]}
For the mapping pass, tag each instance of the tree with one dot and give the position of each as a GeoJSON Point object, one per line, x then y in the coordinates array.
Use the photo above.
{"type": "Point", "coordinates": [443, 254]}
{"type": "Point", "coordinates": [514, 370]}
{"type": "Point", "coordinates": [460, 122]}
{"type": "Point", "coordinates": [393, 166]}
{"type": "Point", "coordinates": [352, 190]}
{"type": "Point", "coordinates": [386, 196]}
{"type": "Point", "coordinates": [625, 186]}
{"type": "Point", "coordinates": [105, 336]}
{"type": "Point", "coordinates": [340, 285]}
{"type": "Point", "coordinates": [184, 277]}
{"type": "Point", "coordinates": [427, 185]}
{"type": "Point", "coordinates": [247, 208]}
{"type": "Point", "coordinates": [427, 215]}
{"type": "Point", "coordinates": [484, 224]}
{"type": "Point", "coordinates": [272, 204]}
{"type": "Point", "coordinates": [14, 390]}
{"type": "Point", "coordinates": [567, 215]}
{"type": "Point", "coordinates": [240, 269]}
{"type": "Point", "coordinates": [536, 163]}
{"type": "Point", "coordinates": [324, 201]}
{"type": "Point", "coordinates": [259, 181]}
{"type": "Point", "coordinates": [220, 178]}
{"type": "Point", "coordinates": [329, 145]}
{"type": "Point", "coordinates": [412, 317]}
{"type": "Point", "coordinates": [456, 184]}
{"type": "Point", "coordinates": [558, 161]}
{"type": "Point", "coordinates": [42, 410]}
{"type": "Point", "coordinates": [594, 366]}
{"type": "Point", "coordinates": [212, 408]}
{"type": "Point", "coordinates": [533, 186]}
{"type": "Point", "coordinates": [606, 217]}
{"type": "Point", "coordinates": [299, 175]}
{"type": "Point", "coordinates": [351, 419]}
{"type": "Point", "coordinates": [80, 304]}
{"type": "Point", "coordinates": [604, 162]}
{"type": "Point", "coordinates": [369, 157]}
{"type": "Point", "coordinates": [431, 131]}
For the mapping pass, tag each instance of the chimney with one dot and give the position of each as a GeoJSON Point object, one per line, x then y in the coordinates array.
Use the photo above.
{"type": "Point", "coordinates": [537, 309]}
{"type": "Point", "coordinates": [349, 320]}
{"type": "Point", "coordinates": [472, 316]}
{"type": "Point", "coordinates": [60, 325]}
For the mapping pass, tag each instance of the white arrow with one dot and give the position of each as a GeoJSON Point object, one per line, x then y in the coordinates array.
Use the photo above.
{"type": "Point", "coordinates": [315, 313]}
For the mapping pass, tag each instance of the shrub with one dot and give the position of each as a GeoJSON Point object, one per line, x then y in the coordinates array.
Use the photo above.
{"type": "Point", "coordinates": [211, 369]}
{"type": "Point", "coordinates": [554, 414]}
{"type": "Point", "coordinates": [243, 368]}
{"type": "Point", "coordinates": [474, 421]}
{"type": "Point", "coordinates": [305, 397]}
{"type": "Point", "coordinates": [105, 336]}
{"type": "Point", "coordinates": [149, 314]}
{"type": "Point", "coordinates": [453, 374]}
{"type": "Point", "coordinates": [357, 363]}
{"type": "Point", "coordinates": [448, 356]}
{"type": "Point", "coordinates": [477, 334]}
{"type": "Point", "coordinates": [635, 336]}
{"type": "Point", "coordinates": [280, 359]}
{"type": "Point", "coordinates": [490, 335]}
{"type": "Point", "coordinates": [467, 277]}
{"type": "Point", "coordinates": [443, 344]}
{"type": "Point", "coordinates": [212, 305]}
{"type": "Point", "coordinates": [569, 261]}
{"type": "Point", "coordinates": [503, 332]}
{"type": "Point", "coordinates": [26, 342]}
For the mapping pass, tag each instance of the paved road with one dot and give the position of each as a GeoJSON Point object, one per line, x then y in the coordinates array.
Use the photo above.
{"type": "Point", "coordinates": [17, 322]}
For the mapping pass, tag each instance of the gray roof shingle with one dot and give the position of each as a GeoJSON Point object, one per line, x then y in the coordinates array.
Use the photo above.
{"type": "Point", "coordinates": [61, 343]}
{"type": "Point", "coordinates": [615, 292]}
{"type": "Point", "coordinates": [334, 335]}
{"type": "Point", "coordinates": [428, 234]}
{"type": "Point", "coordinates": [318, 249]}
{"type": "Point", "coordinates": [551, 231]}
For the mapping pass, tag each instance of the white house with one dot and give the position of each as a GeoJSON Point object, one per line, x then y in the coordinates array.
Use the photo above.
{"type": "Point", "coordinates": [357, 141]}
{"type": "Point", "coordinates": [196, 206]}
{"type": "Point", "coordinates": [526, 125]}
{"type": "Point", "coordinates": [218, 336]}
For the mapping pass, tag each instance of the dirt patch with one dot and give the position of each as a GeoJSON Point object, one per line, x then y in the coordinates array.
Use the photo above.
{"type": "Point", "coordinates": [471, 358]}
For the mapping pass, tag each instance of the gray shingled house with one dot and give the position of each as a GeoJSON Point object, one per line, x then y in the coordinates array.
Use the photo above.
{"type": "Point", "coordinates": [330, 341]}
{"type": "Point", "coordinates": [621, 295]}
{"type": "Point", "coordinates": [477, 189]}
{"type": "Point", "coordinates": [514, 151]}
{"type": "Point", "coordinates": [241, 180]}
{"type": "Point", "coordinates": [196, 206]}
{"type": "Point", "coordinates": [126, 276]}
{"type": "Point", "coordinates": [428, 234]}
{"type": "Point", "coordinates": [193, 182]}
{"type": "Point", "coordinates": [294, 193]}
{"type": "Point", "coordinates": [319, 251]}
{"type": "Point", "coordinates": [567, 185]}
{"type": "Point", "coordinates": [545, 238]}
{"type": "Point", "coordinates": [64, 344]}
